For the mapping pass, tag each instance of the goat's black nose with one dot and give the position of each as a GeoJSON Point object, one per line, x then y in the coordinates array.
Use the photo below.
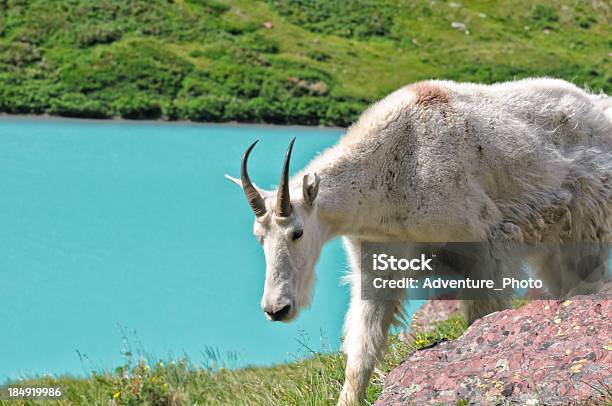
{"type": "Point", "coordinates": [279, 314]}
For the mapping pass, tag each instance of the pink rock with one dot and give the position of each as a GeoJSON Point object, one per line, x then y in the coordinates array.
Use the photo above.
{"type": "Point", "coordinates": [545, 350]}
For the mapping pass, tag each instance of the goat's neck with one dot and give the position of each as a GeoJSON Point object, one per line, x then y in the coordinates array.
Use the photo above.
{"type": "Point", "coordinates": [349, 202]}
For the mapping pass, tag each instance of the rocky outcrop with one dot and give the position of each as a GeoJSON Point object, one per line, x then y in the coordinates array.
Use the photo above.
{"type": "Point", "coordinates": [546, 352]}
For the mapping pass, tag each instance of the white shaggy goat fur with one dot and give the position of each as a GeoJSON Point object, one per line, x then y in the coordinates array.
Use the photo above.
{"type": "Point", "coordinates": [438, 161]}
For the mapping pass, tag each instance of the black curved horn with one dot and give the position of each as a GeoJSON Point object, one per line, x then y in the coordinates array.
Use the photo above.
{"type": "Point", "coordinates": [283, 200]}
{"type": "Point", "coordinates": [255, 200]}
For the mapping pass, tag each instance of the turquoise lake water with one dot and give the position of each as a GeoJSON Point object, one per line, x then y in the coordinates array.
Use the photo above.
{"type": "Point", "coordinates": [125, 229]}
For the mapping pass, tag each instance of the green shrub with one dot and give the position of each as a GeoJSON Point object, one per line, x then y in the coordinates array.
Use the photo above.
{"type": "Point", "coordinates": [586, 21]}
{"type": "Point", "coordinates": [97, 34]}
{"type": "Point", "coordinates": [138, 106]}
{"type": "Point", "coordinates": [238, 80]}
{"type": "Point", "coordinates": [238, 110]}
{"type": "Point", "coordinates": [344, 113]}
{"type": "Point", "coordinates": [24, 94]}
{"type": "Point", "coordinates": [78, 105]}
{"type": "Point", "coordinates": [259, 43]}
{"type": "Point", "coordinates": [544, 16]}
{"type": "Point", "coordinates": [196, 53]}
{"type": "Point", "coordinates": [19, 54]}
{"type": "Point", "coordinates": [211, 6]}
{"type": "Point", "coordinates": [318, 56]}
{"type": "Point", "coordinates": [349, 18]}
{"type": "Point", "coordinates": [135, 67]}
{"type": "Point", "coordinates": [306, 110]}
{"type": "Point", "coordinates": [203, 108]}
{"type": "Point", "coordinates": [266, 111]}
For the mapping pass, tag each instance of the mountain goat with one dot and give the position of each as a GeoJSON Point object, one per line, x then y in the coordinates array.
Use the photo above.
{"type": "Point", "coordinates": [438, 161]}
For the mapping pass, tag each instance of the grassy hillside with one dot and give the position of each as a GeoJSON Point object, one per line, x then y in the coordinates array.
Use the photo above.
{"type": "Point", "coordinates": [314, 381]}
{"type": "Point", "coordinates": [280, 61]}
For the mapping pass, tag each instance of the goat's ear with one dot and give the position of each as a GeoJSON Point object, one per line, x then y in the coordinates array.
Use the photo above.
{"type": "Point", "coordinates": [233, 180]}
{"type": "Point", "coordinates": [264, 193]}
{"type": "Point", "coordinates": [310, 189]}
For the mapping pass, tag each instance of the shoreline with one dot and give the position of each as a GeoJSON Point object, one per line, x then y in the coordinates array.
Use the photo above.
{"type": "Point", "coordinates": [120, 120]}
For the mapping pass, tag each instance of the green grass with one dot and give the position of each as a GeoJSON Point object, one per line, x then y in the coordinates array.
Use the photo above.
{"type": "Point", "coordinates": [321, 62]}
{"type": "Point", "coordinates": [313, 381]}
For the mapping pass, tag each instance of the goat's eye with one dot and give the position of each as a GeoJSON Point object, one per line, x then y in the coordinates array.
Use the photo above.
{"type": "Point", "coordinates": [297, 234]}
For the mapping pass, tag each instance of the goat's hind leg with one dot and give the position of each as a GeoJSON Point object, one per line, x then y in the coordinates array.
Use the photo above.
{"type": "Point", "coordinates": [571, 269]}
{"type": "Point", "coordinates": [589, 263]}
{"type": "Point", "coordinates": [498, 258]}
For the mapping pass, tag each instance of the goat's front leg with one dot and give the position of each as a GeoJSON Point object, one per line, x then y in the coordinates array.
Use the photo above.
{"type": "Point", "coordinates": [366, 326]}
